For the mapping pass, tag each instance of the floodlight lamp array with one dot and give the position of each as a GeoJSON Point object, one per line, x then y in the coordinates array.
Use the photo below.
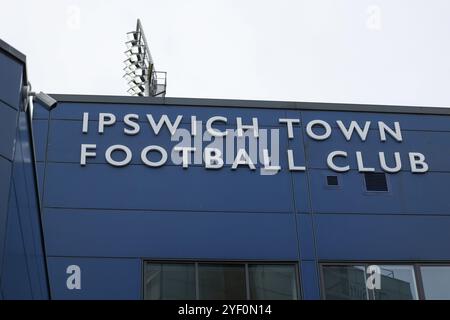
{"type": "Point", "coordinates": [137, 64]}
{"type": "Point", "coordinates": [140, 74]}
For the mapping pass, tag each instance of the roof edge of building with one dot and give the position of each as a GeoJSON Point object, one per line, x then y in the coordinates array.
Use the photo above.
{"type": "Point", "coordinates": [16, 54]}
{"type": "Point", "coordinates": [13, 51]}
{"type": "Point", "coordinates": [206, 102]}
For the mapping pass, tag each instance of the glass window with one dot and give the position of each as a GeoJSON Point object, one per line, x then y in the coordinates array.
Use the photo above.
{"type": "Point", "coordinates": [376, 181]}
{"type": "Point", "coordinates": [344, 282]}
{"type": "Point", "coordinates": [219, 281]}
{"type": "Point", "coordinates": [272, 282]}
{"type": "Point", "coordinates": [396, 283]}
{"type": "Point", "coordinates": [169, 281]}
{"type": "Point", "coordinates": [332, 181]}
{"type": "Point", "coordinates": [222, 281]}
{"type": "Point", "coordinates": [436, 282]}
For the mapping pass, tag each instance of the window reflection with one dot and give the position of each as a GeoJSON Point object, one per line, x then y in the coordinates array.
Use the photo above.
{"type": "Point", "coordinates": [436, 282]}
{"type": "Point", "coordinates": [272, 282]}
{"type": "Point", "coordinates": [222, 282]}
{"type": "Point", "coordinates": [344, 282]}
{"type": "Point", "coordinates": [397, 283]}
{"type": "Point", "coordinates": [219, 281]}
{"type": "Point", "coordinates": [169, 281]}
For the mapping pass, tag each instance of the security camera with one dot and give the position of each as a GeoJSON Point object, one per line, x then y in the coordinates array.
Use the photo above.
{"type": "Point", "coordinates": [48, 101]}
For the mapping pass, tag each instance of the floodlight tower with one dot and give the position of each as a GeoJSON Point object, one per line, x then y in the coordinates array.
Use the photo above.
{"type": "Point", "coordinates": [140, 73]}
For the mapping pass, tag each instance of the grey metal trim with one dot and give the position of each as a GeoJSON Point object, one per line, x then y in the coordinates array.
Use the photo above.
{"type": "Point", "coordinates": [12, 51]}
{"type": "Point", "coordinates": [262, 104]}
{"type": "Point", "coordinates": [419, 282]}
{"type": "Point", "coordinates": [16, 54]}
{"type": "Point", "coordinates": [197, 285]}
{"type": "Point", "coordinates": [247, 282]}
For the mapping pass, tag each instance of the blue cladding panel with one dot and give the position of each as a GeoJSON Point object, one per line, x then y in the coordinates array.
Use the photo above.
{"type": "Point", "coordinates": [5, 182]}
{"type": "Point", "coordinates": [8, 125]}
{"type": "Point", "coordinates": [10, 80]}
{"type": "Point", "coordinates": [309, 280]}
{"type": "Point", "coordinates": [25, 214]}
{"type": "Point", "coordinates": [40, 112]}
{"type": "Point", "coordinates": [386, 237]}
{"type": "Point", "coordinates": [136, 212]}
{"type": "Point", "coordinates": [306, 236]}
{"type": "Point", "coordinates": [40, 128]}
{"type": "Point", "coordinates": [100, 278]}
{"type": "Point", "coordinates": [301, 192]}
{"type": "Point", "coordinates": [15, 275]}
{"type": "Point", "coordinates": [409, 194]}
{"type": "Point", "coordinates": [167, 188]}
{"type": "Point", "coordinates": [40, 168]}
{"type": "Point", "coordinates": [407, 121]}
{"type": "Point", "coordinates": [171, 235]}
{"type": "Point", "coordinates": [29, 216]}
{"type": "Point", "coordinates": [23, 274]}
{"type": "Point", "coordinates": [73, 111]}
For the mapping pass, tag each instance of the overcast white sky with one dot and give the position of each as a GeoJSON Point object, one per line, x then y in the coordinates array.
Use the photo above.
{"type": "Point", "coordinates": [357, 51]}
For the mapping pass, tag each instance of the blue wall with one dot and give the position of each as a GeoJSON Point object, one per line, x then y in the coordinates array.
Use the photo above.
{"type": "Point", "coordinates": [107, 219]}
{"type": "Point", "coordinates": [22, 261]}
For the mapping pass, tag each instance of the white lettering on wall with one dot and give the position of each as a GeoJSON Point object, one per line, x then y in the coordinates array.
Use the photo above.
{"type": "Point", "coordinates": [417, 162]}
{"type": "Point", "coordinates": [164, 120]}
{"type": "Point", "coordinates": [241, 127]}
{"type": "Point", "coordinates": [242, 158]}
{"type": "Point", "coordinates": [85, 122]}
{"type": "Point", "coordinates": [118, 147]}
{"type": "Point", "coordinates": [86, 153]}
{"type": "Point", "coordinates": [215, 132]}
{"type": "Point", "coordinates": [332, 165]}
{"type": "Point", "coordinates": [213, 158]}
{"type": "Point", "coordinates": [290, 125]}
{"type": "Point", "coordinates": [254, 145]}
{"type": "Point", "coordinates": [131, 120]}
{"type": "Point", "coordinates": [185, 152]}
{"type": "Point", "coordinates": [105, 119]}
{"type": "Point", "coordinates": [267, 163]}
{"type": "Point", "coordinates": [360, 162]}
{"type": "Point", "coordinates": [291, 163]}
{"type": "Point", "coordinates": [354, 126]}
{"type": "Point", "coordinates": [321, 123]}
{"type": "Point", "coordinates": [385, 167]}
{"type": "Point", "coordinates": [154, 164]}
{"type": "Point", "coordinates": [396, 133]}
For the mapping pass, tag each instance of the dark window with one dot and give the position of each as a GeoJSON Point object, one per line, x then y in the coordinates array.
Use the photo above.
{"type": "Point", "coordinates": [332, 181]}
{"type": "Point", "coordinates": [219, 281]}
{"type": "Point", "coordinates": [272, 282]}
{"type": "Point", "coordinates": [169, 281]}
{"type": "Point", "coordinates": [376, 181]}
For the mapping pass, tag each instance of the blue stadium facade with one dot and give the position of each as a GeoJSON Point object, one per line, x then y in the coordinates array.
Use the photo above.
{"type": "Point", "coordinates": [81, 220]}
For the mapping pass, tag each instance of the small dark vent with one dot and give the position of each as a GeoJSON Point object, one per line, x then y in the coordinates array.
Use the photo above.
{"type": "Point", "coordinates": [376, 181]}
{"type": "Point", "coordinates": [332, 181]}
